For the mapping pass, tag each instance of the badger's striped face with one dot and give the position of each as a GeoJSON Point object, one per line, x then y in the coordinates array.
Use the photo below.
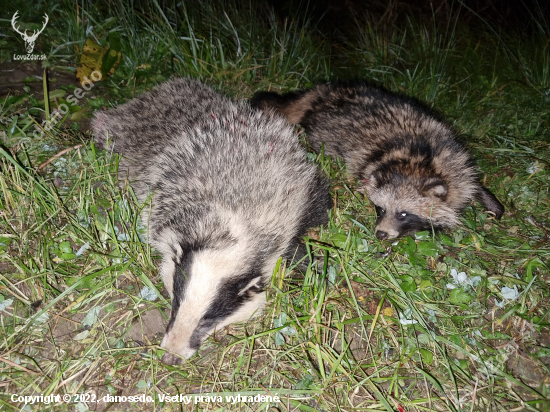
{"type": "Point", "coordinates": [211, 289]}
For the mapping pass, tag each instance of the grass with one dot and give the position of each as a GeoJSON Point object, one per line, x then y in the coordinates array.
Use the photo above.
{"type": "Point", "coordinates": [380, 326]}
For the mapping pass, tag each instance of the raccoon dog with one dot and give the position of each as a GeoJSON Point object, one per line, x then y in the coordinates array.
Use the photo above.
{"type": "Point", "coordinates": [411, 165]}
{"type": "Point", "coordinates": [231, 193]}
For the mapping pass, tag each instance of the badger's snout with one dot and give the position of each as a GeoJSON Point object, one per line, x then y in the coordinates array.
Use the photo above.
{"type": "Point", "coordinates": [177, 350]}
{"type": "Point", "coordinates": [171, 359]}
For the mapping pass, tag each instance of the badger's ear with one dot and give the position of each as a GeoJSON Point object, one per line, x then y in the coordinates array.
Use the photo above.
{"type": "Point", "coordinates": [256, 285]}
{"type": "Point", "coordinates": [435, 187]}
{"type": "Point", "coordinates": [489, 201]}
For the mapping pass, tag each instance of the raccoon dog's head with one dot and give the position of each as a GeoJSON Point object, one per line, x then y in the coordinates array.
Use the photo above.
{"type": "Point", "coordinates": [410, 198]}
{"type": "Point", "coordinates": [210, 288]}
{"type": "Point", "coordinates": [405, 206]}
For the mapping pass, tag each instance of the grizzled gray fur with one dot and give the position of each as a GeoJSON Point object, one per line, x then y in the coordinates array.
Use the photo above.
{"type": "Point", "coordinates": [231, 193]}
{"type": "Point", "coordinates": [411, 164]}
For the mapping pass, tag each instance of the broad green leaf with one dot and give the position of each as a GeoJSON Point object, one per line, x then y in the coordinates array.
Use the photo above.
{"type": "Point", "coordinates": [458, 296]}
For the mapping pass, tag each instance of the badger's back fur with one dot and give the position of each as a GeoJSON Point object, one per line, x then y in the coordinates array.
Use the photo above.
{"type": "Point", "coordinates": [231, 193]}
{"type": "Point", "coordinates": [413, 168]}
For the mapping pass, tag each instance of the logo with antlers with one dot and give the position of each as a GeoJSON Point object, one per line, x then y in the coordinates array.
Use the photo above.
{"type": "Point", "coordinates": [29, 40]}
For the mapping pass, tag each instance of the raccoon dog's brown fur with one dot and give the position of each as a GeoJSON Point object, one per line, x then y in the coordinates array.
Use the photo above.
{"type": "Point", "coordinates": [413, 168]}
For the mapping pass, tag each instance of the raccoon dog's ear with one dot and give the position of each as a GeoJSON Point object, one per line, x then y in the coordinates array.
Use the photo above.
{"type": "Point", "coordinates": [490, 202]}
{"type": "Point", "coordinates": [435, 187]}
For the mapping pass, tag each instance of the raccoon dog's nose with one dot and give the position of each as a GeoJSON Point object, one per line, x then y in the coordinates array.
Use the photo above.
{"type": "Point", "coordinates": [170, 359]}
{"type": "Point", "coordinates": [381, 235]}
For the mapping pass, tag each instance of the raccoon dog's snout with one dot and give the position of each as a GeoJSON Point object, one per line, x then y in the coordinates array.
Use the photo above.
{"type": "Point", "coordinates": [231, 192]}
{"type": "Point", "coordinates": [413, 168]}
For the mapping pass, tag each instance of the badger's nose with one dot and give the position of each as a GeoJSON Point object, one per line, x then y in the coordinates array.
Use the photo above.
{"type": "Point", "coordinates": [381, 234]}
{"type": "Point", "coordinates": [171, 359]}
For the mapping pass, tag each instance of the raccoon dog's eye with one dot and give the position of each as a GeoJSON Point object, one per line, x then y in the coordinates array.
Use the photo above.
{"type": "Point", "coordinates": [379, 211]}
{"type": "Point", "coordinates": [402, 215]}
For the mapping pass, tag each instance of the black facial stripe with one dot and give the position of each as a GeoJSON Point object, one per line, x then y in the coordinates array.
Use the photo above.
{"type": "Point", "coordinates": [199, 334]}
{"type": "Point", "coordinates": [229, 298]}
{"type": "Point", "coordinates": [380, 212]}
{"type": "Point", "coordinates": [180, 282]}
{"type": "Point", "coordinates": [413, 223]}
{"type": "Point", "coordinates": [227, 301]}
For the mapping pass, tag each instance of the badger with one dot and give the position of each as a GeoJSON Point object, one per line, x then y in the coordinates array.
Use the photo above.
{"type": "Point", "coordinates": [231, 192]}
{"type": "Point", "coordinates": [411, 165]}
